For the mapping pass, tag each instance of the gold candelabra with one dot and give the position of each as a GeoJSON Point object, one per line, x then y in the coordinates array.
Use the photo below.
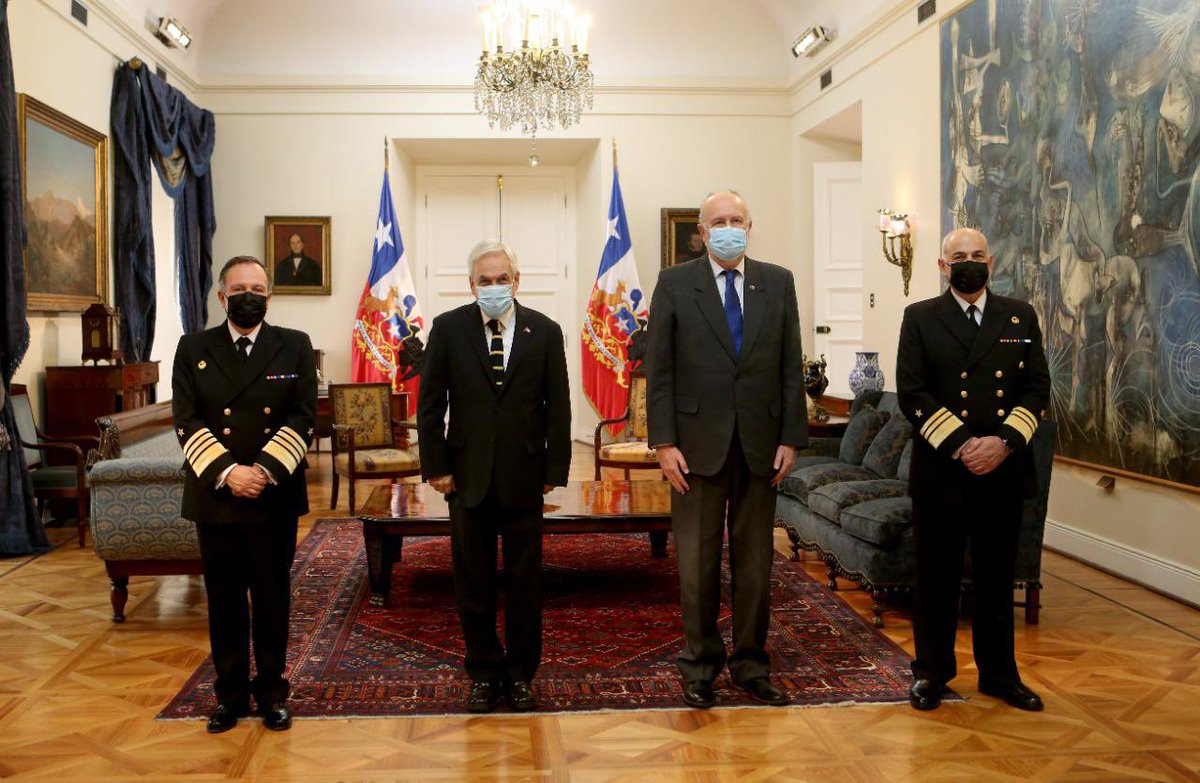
{"type": "Point", "coordinates": [894, 226]}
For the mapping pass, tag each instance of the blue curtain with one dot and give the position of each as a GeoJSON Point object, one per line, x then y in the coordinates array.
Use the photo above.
{"type": "Point", "coordinates": [21, 532]}
{"type": "Point", "coordinates": [154, 125]}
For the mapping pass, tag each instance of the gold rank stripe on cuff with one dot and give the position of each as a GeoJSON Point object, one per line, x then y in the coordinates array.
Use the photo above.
{"type": "Point", "coordinates": [1023, 421]}
{"type": "Point", "coordinates": [940, 426]}
{"type": "Point", "coordinates": [202, 449]}
{"type": "Point", "coordinates": [287, 447]}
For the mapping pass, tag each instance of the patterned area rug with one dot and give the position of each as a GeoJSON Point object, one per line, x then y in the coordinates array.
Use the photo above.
{"type": "Point", "coordinates": [612, 631]}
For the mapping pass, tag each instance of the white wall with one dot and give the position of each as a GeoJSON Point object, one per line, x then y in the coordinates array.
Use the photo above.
{"type": "Point", "coordinates": [77, 80]}
{"type": "Point", "coordinates": [1147, 532]}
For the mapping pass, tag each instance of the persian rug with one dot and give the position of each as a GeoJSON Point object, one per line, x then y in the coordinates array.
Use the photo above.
{"type": "Point", "coordinates": [611, 633]}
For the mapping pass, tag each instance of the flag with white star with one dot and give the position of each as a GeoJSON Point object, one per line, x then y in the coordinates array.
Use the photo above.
{"type": "Point", "coordinates": [389, 317]}
{"type": "Point", "coordinates": [617, 310]}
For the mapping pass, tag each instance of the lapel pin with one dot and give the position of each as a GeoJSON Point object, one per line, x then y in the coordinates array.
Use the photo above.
{"type": "Point", "coordinates": [1016, 320]}
{"type": "Point", "coordinates": [527, 331]}
{"type": "Point", "coordinates": [201, 364]}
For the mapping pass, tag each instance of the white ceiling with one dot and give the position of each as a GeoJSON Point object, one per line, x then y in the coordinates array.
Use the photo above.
{"type": "Point", "coordinates": [436, 41]}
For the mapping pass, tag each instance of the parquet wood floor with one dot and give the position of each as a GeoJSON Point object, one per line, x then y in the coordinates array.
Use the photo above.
{"type": "Point", "coordinates": [1118, 666]}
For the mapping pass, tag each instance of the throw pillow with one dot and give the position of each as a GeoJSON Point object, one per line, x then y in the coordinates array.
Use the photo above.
{"type": "Point", "coordinates": [883, 455]}
{"type": "Point", "coordinates": [861, 430]}
{"type": "Point", "coordinates": [902, 471]}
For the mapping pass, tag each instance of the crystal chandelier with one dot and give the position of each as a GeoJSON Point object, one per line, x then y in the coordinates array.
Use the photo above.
{"type": "Point", "coordinates": [526, 77]}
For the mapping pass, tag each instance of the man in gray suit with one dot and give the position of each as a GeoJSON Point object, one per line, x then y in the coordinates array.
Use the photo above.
{"type": "Point", "coordinates": [726, 413]}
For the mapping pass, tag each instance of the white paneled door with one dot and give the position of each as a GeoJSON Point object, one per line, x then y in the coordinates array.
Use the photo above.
{"type": "Point", "coordinates": [837, 269]}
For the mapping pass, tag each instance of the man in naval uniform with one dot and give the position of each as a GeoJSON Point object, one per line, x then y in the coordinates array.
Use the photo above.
{"type": "Point", "coordinates": [244, 400]}
{"type": "Point", "coordinates": [971, 376]}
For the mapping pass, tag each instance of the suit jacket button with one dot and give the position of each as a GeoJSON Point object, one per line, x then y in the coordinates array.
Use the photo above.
{"type": "Point", "coordinates": [965, 414]}
{"type": "Point", "coordinates": [1000, 412]}
{"type": "Point", "coordinates": [962, 375]}
{"type": "Point", "coordinates": [1020, 365]}
{"type": "Point", "coordinates": [999, 373]}
{"type": "Point", "coordinates": [999, 392]}
{"type": "Point", "coordinates": [266, 430]}
{"type": "Point", "coordinates": [963, 393]}
{"type": "Point", "coordinates": [225, 431]}
{"type": "Point", "coordinates": [228, 413]}
{"type": "Point", "coordinates": [267, 411]}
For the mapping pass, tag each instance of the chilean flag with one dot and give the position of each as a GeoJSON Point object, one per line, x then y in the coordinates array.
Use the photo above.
{"type": "Point", "coordinates": [616, 310]}
{"type": "Point", "coordinates": [386, 346]}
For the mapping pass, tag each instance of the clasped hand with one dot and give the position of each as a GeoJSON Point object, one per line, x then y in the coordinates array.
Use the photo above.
{"type": "Point", "coordinates": [983, 455]}
{"type": "Point", "coordinates": [245, 481]}
{"type": "Point", "coordinates": [675, 467]}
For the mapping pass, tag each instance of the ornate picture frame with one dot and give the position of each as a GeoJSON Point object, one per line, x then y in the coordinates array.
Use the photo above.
{"type": "Point", "coordinates": [679, 230]}
{"type": "Point", "coordinates": [298, 254]}
{"type": "Point", "coordinates": [64, 181]}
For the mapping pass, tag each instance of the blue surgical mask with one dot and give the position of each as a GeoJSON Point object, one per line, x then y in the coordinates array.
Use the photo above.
{"type": "Point", "coordinates": [727, 243]}
{"type": "Point", "coordinates": [494, 300]}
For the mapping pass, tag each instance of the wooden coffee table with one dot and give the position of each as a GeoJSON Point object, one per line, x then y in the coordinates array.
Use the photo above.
{"type": "Point", "coordinates": [398, 510]}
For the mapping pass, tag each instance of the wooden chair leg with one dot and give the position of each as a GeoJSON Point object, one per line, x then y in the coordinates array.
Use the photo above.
{"type": "Point", "coordinates": [1033, 603]}
{"type": "Point", "coordinates": [334, 495]}
{"type": "Point", "coordinates": [119, 595]}
{"type": "Point", "coordinates": [627, 474]}
{"type": "Point", "coordinates": [350, 482]}
{"type": "Point", "coordinates": [81, 513]}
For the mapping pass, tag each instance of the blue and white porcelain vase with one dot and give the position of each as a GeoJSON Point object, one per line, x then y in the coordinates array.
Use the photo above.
{"type": "Point", "coordinates": [866, 375]}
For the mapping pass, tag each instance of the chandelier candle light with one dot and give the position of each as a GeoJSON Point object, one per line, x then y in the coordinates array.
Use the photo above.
{"type": "Point", "coordinates": [525, 75]}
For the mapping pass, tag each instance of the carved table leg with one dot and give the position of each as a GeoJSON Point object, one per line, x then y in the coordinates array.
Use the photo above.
{"type": "Point", "coordinates": [658, 543]}
{"type": "Point", "coordinates": [383, 551]}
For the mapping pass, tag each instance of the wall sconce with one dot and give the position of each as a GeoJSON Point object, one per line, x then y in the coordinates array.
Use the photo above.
{"type": "Point", "coordinates": [811, 41]}
{"type": "Point", "coordinates": [893, 226]}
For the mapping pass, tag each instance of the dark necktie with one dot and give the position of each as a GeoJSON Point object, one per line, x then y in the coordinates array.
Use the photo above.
{"type": "Point", "coordinates": [243, 348]}
{"type": "Point", "coordinates": [733, 310]}
{"type": "Point", "coordinates": [497, 353]}
{"type": "Point", "coordinates": [971, 311]}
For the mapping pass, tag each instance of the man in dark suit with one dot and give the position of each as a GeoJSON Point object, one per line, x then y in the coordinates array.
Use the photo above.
{"type": "Point", "coordinates": [501, 370]}
{"type": "Point", "coordinates": [971, 376]}
{"type": "Point", "coordinates": [297, 268]}
{"type": "Point", "coordinates": [244, 400]}
{"type": "Point", "coordinates": [726, 414]}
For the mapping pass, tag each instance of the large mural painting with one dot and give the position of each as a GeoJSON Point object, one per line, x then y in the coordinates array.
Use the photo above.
{"type": "Point", "coordinates": [1070, 137]}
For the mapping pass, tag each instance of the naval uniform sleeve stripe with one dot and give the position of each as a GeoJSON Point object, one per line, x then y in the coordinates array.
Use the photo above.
{"type": "Point", "coordinates": [286, 443]}
{"type": "Point", "coordinates": [200, 433]}
{"type": "Point", "coordinates": [1020, 420]}
{"type": "Point", "coordinates": [1026, 414]}
{"type": "Point", "coordinates": [933, 422]}
{"type": "Point", "coordinates": [195, 448]}
{"type": "Point", "coordinates": [206, 457]}
{"type": "Point", "coordinates": [281, 454]}
{"type": "Point", "coordinates": [289, 437]}
{"type": "Point", "coordinates": [944, 430]}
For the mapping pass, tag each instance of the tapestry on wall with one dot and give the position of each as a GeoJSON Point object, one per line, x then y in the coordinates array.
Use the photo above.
{"type": "Point", "coordinates": [1069, 137]}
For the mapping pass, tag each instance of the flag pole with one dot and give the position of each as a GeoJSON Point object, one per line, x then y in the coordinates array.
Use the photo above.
{"type": "Point", "coordinates": [385, 153]}
{"type": "Point", "coordinates": [614, 153]}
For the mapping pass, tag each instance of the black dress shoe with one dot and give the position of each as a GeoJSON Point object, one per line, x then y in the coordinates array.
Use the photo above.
{"type": "Point", "coordinates": [925, 695]}
{"type": "Point", "coordinates": [276, 716]}
{"type": "Point", "coordinates": [484, 697]}
{"type": "Point", "coordinates": [699, 694]}
{"type": "Point", "coordinates": [520, 697]}
{"type": "Point", "coordinates": [225, 717]}
{"type": "Point", "coordinates": [1016, 695]}
{"type": "Point", "coordinates": [763, 692]}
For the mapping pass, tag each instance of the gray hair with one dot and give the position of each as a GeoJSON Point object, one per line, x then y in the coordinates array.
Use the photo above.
{"type": "Point", "coordinates": [487, 247]}
{"type": "Point", "coordinates": [238, 260]}
{"type": "Point", "coordinates": [731, 192]}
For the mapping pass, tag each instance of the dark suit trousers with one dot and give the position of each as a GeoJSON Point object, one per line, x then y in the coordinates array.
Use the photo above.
{"type": "Point", "coordinates": [990, 523]}
{"type": "Point", "coordinates": [473, 533]}
{"type": "Point", "coordinates": [745, 502]}
{"type": "Point", "coordinates": [254, 559]}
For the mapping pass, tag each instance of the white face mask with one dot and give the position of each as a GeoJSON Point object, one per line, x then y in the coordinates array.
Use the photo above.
{"type": "Point", "coordinates": [727, 243]}
{"type": "Point", "coordinates": [494, 300]}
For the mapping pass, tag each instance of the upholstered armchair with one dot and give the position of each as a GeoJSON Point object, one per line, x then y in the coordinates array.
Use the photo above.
{"type": "Point", "coordinates": [632, 452]}
{"type": "Point", "coordinates": [367, 442]}
{"type": "Point", "coordinates": [51, 482]}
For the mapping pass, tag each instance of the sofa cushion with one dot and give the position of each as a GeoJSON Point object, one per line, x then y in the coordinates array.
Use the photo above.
{"type": "Point", "coordinates": [800, 482]}
{"type": "Point", "coordinates": [831, 499]}
{"type": "Point", "coordinates": [861, 430]}
{"type": "Point", "coordinates": [805, 460]}
{"type": "Point", "coordinates": [163, 444]}
{"type": "Point", "coordinates": [882, 521]}
{"type": "Point", "coordinates": [57, 477]}
{"type": "Point", "coordinates": [883, 455]}
{"type": "Point", "coordinates": [902, 470]}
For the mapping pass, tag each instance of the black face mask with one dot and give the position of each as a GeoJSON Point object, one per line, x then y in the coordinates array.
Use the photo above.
{"type": "Point", "coordinates": [246, 309]}
{"type": "Point", "coordinates": [967, 277]}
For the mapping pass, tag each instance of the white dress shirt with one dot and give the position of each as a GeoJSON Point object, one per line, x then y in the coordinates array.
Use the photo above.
{"type": "Point", "coordinates": [964, 304]}
{"type": "Point", "coordinates": [507, 321]}
{"type": "Point", "coordinates": [739, 281]}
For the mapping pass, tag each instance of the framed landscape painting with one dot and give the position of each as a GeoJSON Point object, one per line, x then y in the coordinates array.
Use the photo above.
{"type": "Point", "coordinates": [64, 177]}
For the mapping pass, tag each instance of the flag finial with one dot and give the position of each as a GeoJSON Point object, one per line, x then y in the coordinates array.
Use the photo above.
{"type": "Point", "coordinates": [385, 153]}
{"type": "Point", "coordinates": [614, 153]}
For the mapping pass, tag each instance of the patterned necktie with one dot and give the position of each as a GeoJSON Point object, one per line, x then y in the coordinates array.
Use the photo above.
{"type": "Point", "coordinates": [971, 311]}
{"type": "Point", "coordinates": [243, 348]}
{"type": "Point", "coordinates": [497, 353]}
{"type": "Point", "coordinates": [733, 310]}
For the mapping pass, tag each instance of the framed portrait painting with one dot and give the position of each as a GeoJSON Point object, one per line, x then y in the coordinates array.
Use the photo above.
{"type": "Point", "coordinates": [298, 254]}
{"type": "Point", "coordinates": [681, 240]}
{"type": "Point", "coordinates": [64, 178]}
